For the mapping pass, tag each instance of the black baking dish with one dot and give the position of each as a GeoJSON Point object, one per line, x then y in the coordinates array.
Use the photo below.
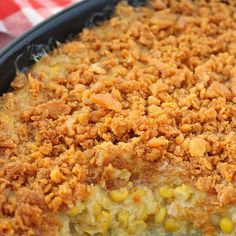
{"type": "Point", "coordinates": [24, 51]}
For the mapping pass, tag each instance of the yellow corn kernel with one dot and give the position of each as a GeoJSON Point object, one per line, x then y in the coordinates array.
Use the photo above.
{"type": "Point", "coordinates": [76, 210]}
{"type": "Point", "coordinates": [97, 208]}
{"type": "Point", "coordinates": [123, 218]}
{"type": "Point", "coordinates": [137, 226]}
{"type": "Point", "coordinates": [183, 191]}
{"type": "Point", "coordinates": [166, 192]}
{"type": "Point", "coordinates": [144, 213]}
{"type": "Point", "coordinates": [226, 225]}
{"type": "Point", "coordinates": [171, 226]}
{"type": "Point", "coordinates": [104, 221]}
{"type": "Point", "coordinates": [119, 195]}
{"type": "Point", "coordinates": [138, 194]}
{"type": "Point", "coordinates": [160, 216]}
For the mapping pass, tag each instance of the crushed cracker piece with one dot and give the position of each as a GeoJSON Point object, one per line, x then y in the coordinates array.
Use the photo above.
{"type": "Point", "coordinates": [56, 175]}
{"type": "Point", "coordinates": [197, 147]}
{"type": "Point", "coordinates": [106, 100]}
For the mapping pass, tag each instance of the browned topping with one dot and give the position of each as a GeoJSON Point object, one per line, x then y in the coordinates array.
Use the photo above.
{"type": "Point", "coordinates": [56, 109]}
{"type": "Point", "coordinates": [152, 91]}
{"type": "Point", "coordinates": [197, 147]}
{"type": "Point", "coordinates": [106, 100]}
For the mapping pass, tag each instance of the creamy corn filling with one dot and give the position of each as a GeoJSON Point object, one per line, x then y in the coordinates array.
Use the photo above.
{"type": "Point", "coordinates": [132, 211]}
{"type": "Point", "coordinates": [129, 129]}
{"type": "Point", "coordinates": [139, 210]}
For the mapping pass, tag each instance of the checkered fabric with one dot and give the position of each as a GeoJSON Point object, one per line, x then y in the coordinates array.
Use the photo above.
{"type": "Point", "coordinates": [17, 16]}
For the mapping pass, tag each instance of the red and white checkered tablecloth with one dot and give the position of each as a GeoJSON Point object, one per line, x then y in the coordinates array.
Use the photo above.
{"type": "Point", "coordinates": [17, 16]}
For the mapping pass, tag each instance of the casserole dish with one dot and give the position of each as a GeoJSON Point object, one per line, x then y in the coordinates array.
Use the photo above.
{"type": "Point", "coordinates": [27, 49]}
{"type": "Point", "coordinates": [128, 128]}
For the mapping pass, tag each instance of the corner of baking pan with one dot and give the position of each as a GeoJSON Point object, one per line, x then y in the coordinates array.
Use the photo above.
{"type": "Point", "coordinates": [34, 52]}
{"type": "Point", "coordinates": [19, 55]}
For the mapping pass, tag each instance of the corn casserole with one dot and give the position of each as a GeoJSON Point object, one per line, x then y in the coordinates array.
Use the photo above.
{"type": "Point", "coordinates": [128, 129]}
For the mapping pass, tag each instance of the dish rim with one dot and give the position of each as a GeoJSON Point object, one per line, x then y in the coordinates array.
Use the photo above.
{"type": "Point", "coordinates": [19, 54]}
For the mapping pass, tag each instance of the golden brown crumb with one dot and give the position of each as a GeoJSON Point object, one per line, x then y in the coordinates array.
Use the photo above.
{"type": "Point", "coordinates": [106, 100]}
{"type": "Point", "coordinates": [197, 147]}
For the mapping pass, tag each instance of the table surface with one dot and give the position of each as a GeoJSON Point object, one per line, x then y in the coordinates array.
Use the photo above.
{"type": "Point", "coordinates": [17, 16]}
